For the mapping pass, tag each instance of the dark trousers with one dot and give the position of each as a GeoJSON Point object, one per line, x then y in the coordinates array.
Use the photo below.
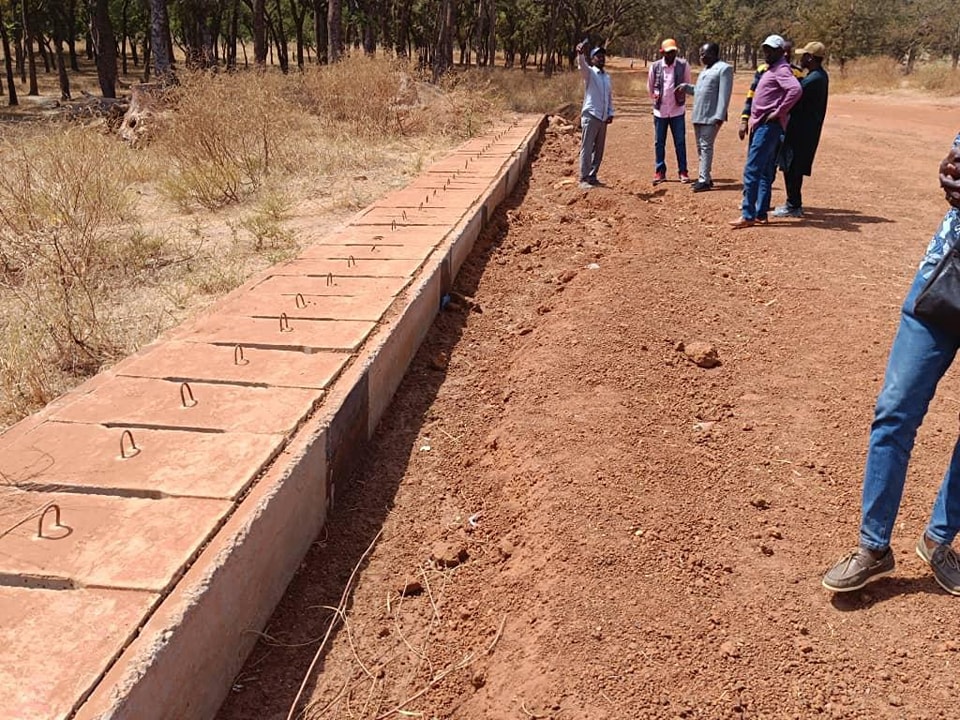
{"type": "Point", "coordinates": [793, 180]}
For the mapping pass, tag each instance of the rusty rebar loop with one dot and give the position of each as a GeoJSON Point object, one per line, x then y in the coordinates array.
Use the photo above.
{"type": "Point", "coordinates": [393, 224]}
{"type": "Point", "coordinates": [185, 394]}
{"type": "Point", "coordinates": [299, 301]}
{"type": "Point", "coordinates": [238, 358]}
{"type": "Point", "coordinates": [351, 261]}
{"type": "Point", "coordinates": [373, 248]}
{"type": "Point", "coordinates": [421, 207]}
{"type": "Point", "coordinates": [330, 279]}
{"type": "Point", "coordinates": [285, 323]}
{"type": "Point", "coordinates": [403, 214]}
{"type": "Point", "coordinates": [125, 452]}
{"type": "Point", "coordinates": [43, 514]}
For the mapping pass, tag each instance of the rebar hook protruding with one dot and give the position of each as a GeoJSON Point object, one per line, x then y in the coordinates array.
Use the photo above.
{"type": "Point", "coordinates": [43, 514]}
{"type": "Point", "coordinates": [186, 392]}
{"type": "Point", "coordinates": [125, 453]}
{"type": "Point", "coordinates": [238, 358]}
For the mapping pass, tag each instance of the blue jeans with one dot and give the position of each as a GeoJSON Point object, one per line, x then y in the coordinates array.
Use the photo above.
{"type": "Point", "coordinates": [918, 359]}
{"type": "Point", "coordinates": [760, 170]}
{"type": "Point", "coordinates": [678, 130]}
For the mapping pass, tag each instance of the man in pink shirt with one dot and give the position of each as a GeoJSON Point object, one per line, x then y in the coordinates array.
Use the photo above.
{"type": "Point", "coordinates": [665, 84]}
{"type": "Point", "coordinates": [777, 92]}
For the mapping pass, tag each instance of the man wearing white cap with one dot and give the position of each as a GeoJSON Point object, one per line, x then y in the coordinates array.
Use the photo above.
{"type": "Point", "coordinates": [665, 83]}
{"type": "Point", "coordinates": [777, 92]}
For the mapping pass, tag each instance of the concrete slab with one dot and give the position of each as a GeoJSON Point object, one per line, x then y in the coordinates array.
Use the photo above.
{"type": "Point", "coordinates": [55, 644]}
{"type": "Point", "coordinates": [147, 402]}
{"type": "Point", "coordinates": [311, 307]}
{"type": "Point", "coordinates": [79, 457]}
{"type": "Point", "coordinates": [185, 657]}
{"type": "Point", "coordinates": [289, 287]}
{"type": "Point", "coordinates": [105, 542]}
{"type": "Point", "coordinates": [276, 333]}
{"type": "Point", "coordinates": [428, 216]}
{"type": "Point", "coordinates": [179, 361]}
{"type": "Point", "coordinates": [344, 265]}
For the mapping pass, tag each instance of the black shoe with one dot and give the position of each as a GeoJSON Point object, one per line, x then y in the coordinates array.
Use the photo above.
{"type": "Point", "coordinates": [855, 570]}
{"type": "Point", "coordinates": [700, 186]}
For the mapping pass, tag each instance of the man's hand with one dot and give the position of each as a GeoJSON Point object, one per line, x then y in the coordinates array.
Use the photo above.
{"type": "Point", "coordinates": [742, 130]}
{"type": "Point", "coordinates": [609, 119]}
{"type": "Point", "coordinates": [719, 124]}
{"type": "Point", "coordinates": [950, 176]}
{"type": "Point", "coordinates": [580, 48]}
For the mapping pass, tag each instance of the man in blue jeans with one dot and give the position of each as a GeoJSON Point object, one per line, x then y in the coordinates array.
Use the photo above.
{"type": "Point", "coordinates": [920, 356]}
{"type": "Point", "coordinates": [777, 92]}
{"type": "Point", "coordinates": [665, 83]}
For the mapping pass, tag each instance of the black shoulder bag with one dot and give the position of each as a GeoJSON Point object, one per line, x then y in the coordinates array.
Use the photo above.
{"type": "Point", "coordinates": [939, 301]}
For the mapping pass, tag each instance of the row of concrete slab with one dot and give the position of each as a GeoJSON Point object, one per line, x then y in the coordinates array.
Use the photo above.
{"type": "Point", "coordinates": [153, 517]}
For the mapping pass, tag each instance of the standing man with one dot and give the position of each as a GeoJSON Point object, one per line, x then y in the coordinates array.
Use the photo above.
{"type": "Point", "coordinates": [777, 92]}
{"type": "Point", "coordinates": [664, 84]}
{"type": "Point", "coordinates": [711, 98]}
{"type": "Point", "coordinates": [595, 115]}
{"type": "Point", "coordinates": [803, 131]}
{"type": "Point", "coordinates": [921, 354]}
{"type": "Point", "coordinates": [761, 69]}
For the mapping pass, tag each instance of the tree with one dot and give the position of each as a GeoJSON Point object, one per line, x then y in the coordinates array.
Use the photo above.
{"type": "Point", "coordinates": [105, 44]}
{"type": "Point", "coordinates": [334, 30]}
{"type": "Point", "coordinates": [160, 41]}
{"type": "Point", "coordinates": [7, 60]}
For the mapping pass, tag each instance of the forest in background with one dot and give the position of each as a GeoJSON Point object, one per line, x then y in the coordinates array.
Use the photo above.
{"type": "Point", "coordinates": [144, 39]}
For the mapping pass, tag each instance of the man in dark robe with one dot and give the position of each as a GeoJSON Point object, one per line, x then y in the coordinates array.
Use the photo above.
{"type": "Point", "coordinates": [803, 131]}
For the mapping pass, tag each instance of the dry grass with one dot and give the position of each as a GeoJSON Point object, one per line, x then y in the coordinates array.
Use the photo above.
{"type": "Point", "coordinates": [104, 246]}
{"type": "Point", "coordinates": [878, 75]}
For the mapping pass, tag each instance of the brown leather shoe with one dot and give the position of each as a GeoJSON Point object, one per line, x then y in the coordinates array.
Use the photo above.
{"type": "Point", "coordinates": [859, 567]}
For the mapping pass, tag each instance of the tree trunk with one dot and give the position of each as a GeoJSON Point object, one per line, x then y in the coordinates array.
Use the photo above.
{"type": "Point", "coordinates": [72, 34]}
{"type": "Point", "coordinates": [334, 31]}
{"type": "Point", "coordinates": [443, 59]}
{"type": "Point", "coordinates": [123, 37]}
{"type": "Point", "coordinates": [320, 30]}
{"type": "Point", "coordinates": [7, 61]}
{"type": "Point", "coordinates": [28, 50]}
{"type": "Point", "coordinates": [260, 32]}
{"type": "Point", "coordinates": [62, 68]}
{"type": "Point", "coordinates": [231, 53]}
{"type": "Point", "coordinates": [280, 38]}
{"type": "Point", "coordinates": [299, 13]}
{"type": "Point", "coordinates": [106, 46]}
{"type": "Point", "coordinates": [160, 41]}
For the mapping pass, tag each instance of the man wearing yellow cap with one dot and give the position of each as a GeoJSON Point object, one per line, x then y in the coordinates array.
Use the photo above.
{"type": "Point", "coordinates": [803, 131]}
{"type": "Point", "coordinates": [665, 84]}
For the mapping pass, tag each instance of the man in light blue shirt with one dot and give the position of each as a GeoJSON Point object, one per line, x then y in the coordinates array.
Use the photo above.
{"type": "Point", "coordinates": [711, 99]}
{"type": "Point", "coordinates": [596, 114]}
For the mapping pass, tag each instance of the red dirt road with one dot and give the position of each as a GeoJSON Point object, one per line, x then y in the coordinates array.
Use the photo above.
{"type": "Point", "coordinates": [643, 538]}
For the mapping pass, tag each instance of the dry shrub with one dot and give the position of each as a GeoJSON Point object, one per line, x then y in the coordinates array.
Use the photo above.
{"type": "Point", "coordinates": [531, 92]}
{"type": "Point", "coordinates": [867, 75]}
{"type": "Point", "coordinates": [66, 237]}
{"type": "Point", "coordinates": [939, 77]}
{"type": "Point", "coordinates": [357, 97]}
{"type": "Point", "coordinates": [229, 132]}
